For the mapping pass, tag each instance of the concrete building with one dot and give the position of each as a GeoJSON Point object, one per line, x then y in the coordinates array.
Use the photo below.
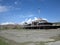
{"type": "Point", "coordinates": [40, 24]}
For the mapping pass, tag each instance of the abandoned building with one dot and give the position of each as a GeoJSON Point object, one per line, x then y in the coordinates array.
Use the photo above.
{"type": "Point", "coordinates": [40, 24]}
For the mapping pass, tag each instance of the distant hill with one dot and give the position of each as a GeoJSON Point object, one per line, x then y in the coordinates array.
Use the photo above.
{"type": "Point", "coordinates": [10, 26]}
{"type": "Point", "coordinates": [57, 22]}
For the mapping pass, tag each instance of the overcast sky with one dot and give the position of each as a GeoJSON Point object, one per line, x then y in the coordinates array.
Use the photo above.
{"type": "Point", "coordinates": [20, 10]}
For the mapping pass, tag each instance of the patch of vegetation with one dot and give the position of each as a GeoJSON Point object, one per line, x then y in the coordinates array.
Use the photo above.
{"type": "Point", "coordinates": [41, 43]}
{"type": "Point", "coordinates": [25, 43]}
{"type": "Point", "coordinates": [33, 43]}
{"type": "Point", "coordinates": [10, 42]}
{"type": "Point", "coordinates": [3, 42]}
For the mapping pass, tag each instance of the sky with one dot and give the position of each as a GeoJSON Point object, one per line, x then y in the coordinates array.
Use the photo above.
{"type": "Point", "coordinates": [20, 10]}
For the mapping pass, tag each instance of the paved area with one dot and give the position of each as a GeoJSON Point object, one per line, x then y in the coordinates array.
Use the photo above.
{"type": "Point", "coordinates": [21, 36]}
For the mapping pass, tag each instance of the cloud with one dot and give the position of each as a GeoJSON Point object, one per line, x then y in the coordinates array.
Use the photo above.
{"type": "Point", "coordinates": [26, 16]}
{"type": "Point", "coordinates": [8, 8]}
{"type": "Point", "coordinates": [29, 21]}
{"type": "Point", "coordinates": [15, 5]}
{"type": "Point", "coordinates": [26, 20]}
{"type": "Point", "coordinates": [31, 15]}
{"type": "Point", "coordinates": [44, 18]}
{"type": "Point", "coordinates": [12, 8]}
{"type": "Point", "coordinates": [18, 3]}
{"type": "Point", "coordinates": [15, 2]}
{"type": "Point", "coordinates": [0, 0]}
{"type": "Point", "coordinates": [3, 8]}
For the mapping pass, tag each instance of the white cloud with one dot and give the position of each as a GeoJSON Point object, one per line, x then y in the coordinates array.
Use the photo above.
{"type": "Point", "coordinates": [31, 15]}
{"type": "Point", "coordinates": [7, 8]}
{"type": "Point", "coordinates": [26, 20]}
{"type": "Point", "coordinates": [3, 8]}
{"type": "Point", "coordinates": [16, 2]}
{"type": "Point", "coordinates": [26, 16]}
{"type": "Point", "coordinates": [15, 6]}
{"type": "Point", "coordinates": [30, 20]}
{"type": "Point", "coordinates": [44, 18]}
{"type": "Point", "coordinates": [0, 0]}
{"type": "Point", "coordinates": [35, 18]}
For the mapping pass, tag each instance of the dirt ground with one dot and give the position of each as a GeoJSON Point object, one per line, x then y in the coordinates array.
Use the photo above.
{"type": "Point", "coordinates": [22, 36]}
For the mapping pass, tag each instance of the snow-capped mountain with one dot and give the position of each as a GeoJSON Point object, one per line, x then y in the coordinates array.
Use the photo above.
{"type": "Point", "coordinates": [6, 23]}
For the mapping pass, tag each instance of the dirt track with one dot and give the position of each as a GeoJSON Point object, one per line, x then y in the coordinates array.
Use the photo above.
{"type": "Point", "coordinates": [21, 36]}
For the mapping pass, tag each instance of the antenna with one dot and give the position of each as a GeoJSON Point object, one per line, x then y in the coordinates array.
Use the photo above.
{"type": "Point", "coordinates": [39, 11]}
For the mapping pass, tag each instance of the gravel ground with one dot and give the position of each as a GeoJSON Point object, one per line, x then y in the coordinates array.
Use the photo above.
{"type": "Point", "coordinates": [22, 36]}
{"type": "Point", "coordinates": [54, 43]}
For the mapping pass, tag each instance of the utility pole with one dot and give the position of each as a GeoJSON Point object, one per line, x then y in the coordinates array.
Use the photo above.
{"type": "Point", "coordinates": [39, 11]}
